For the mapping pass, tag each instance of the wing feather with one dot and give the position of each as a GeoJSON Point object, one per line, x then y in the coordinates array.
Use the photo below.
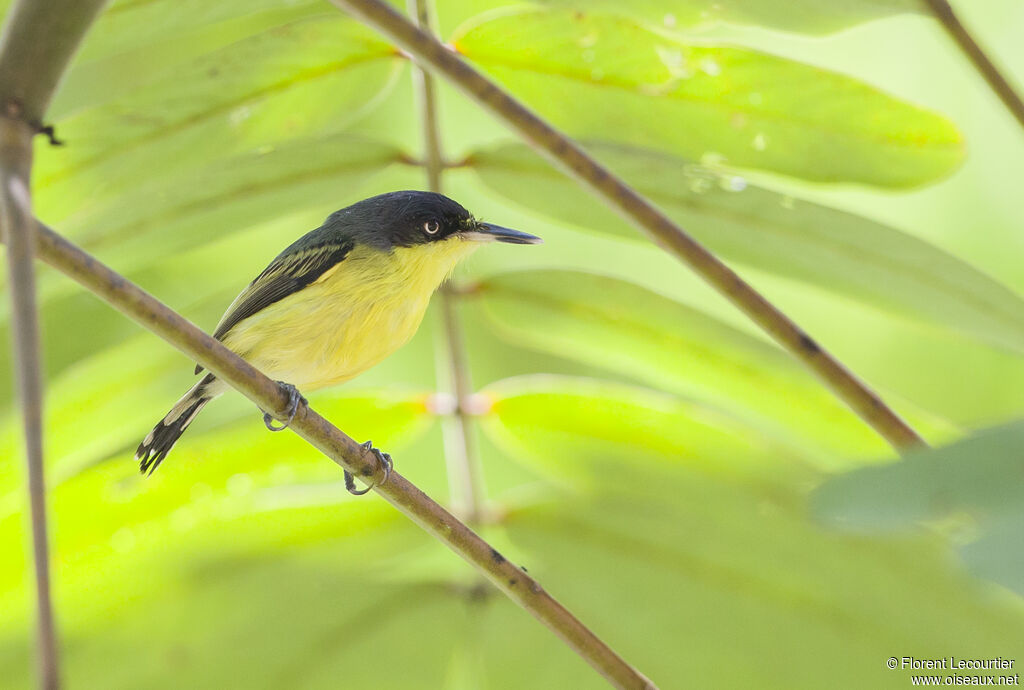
{"type": "Point", "coordinates": [286, 275]}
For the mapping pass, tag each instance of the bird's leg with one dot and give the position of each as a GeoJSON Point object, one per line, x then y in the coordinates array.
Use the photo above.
{"type": "Point", "coordinates": [295, 399]}
{"type": "Point", "coordinates": [385, 461]}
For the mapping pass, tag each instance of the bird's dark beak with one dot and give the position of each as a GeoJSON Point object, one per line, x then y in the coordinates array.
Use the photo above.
{"type": "Point", "coordinates": [485, 232]}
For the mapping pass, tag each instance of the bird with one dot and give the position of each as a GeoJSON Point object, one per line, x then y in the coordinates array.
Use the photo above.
{"type": "Point", "coordinates": [336, 302]}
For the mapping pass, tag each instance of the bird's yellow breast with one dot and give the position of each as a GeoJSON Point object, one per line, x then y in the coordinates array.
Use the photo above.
{"type": "Point", "coordinates": [355, 315]}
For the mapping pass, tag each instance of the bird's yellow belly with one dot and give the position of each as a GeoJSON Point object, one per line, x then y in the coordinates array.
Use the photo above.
{"type": "Point", "coordinates": [345, 323]}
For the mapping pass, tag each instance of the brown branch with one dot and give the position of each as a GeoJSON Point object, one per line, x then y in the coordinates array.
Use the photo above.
{"type": "Point", "coordinates": [38, 40]}
{"type": "Point", "coordinates": [574, 161]}
{"type": "Point", "coordinates": [998, 83]}
{"type": "Point", "coordinates": [175, 329]}
{"type": "Point", "coordinates": [465, 480]}
{"type": "Point", "coordinates": [18, 224]}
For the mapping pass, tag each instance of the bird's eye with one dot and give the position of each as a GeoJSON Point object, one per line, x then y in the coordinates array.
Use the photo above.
{"type": "Point", "coordinates": [431, 227]}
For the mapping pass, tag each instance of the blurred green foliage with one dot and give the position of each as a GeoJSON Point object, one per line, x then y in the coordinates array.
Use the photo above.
{"type": "Point", "coordinates": [707, 101]}
{"type": "Point", "coordinates": [648, 453]}
{"type": "Point", "coordinates": [973, 485]}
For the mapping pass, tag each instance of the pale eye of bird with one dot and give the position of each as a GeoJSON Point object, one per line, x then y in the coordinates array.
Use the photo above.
{"type": "Point", "coordinates": [431, 227]}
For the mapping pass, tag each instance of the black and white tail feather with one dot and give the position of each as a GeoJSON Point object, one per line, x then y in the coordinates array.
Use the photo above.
{"type": "Point", "coordinates": [159, 442]}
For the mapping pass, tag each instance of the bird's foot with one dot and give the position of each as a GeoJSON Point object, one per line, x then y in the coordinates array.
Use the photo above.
{"type": "Point", "coordinates": [383, 458]}
{"type": "Point", "coordinates": [295, 400]}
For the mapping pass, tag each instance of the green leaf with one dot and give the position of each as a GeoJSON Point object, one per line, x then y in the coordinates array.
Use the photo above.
{"type": "Point", "coordinates": [673, 347]}
{"type": "Point", "coordinates": [197, 582]}
{"type": "Point", "coordinates": [128, 25]}
{"type": "Point", "coordinates": [997, 553]}
{"type": "Point", "coordinates": [699, 570]}
{"type": "Point", "coordinates": [838, 251]}
{"type": "Point", "coordinates": [311, 76]}
{"type": "Point", "coordinates": [980, 475]}
{"type": "Point", "coordinates": [337, 583]}
{"type": "Point", "coordinates": [134, 43]}
{"type": "Point", "coordinates": [805, 16]}
{"type": "Point", "coordinates": [606, 77]}
{"type": "Point", "coordinates": [242, 191]}
{"type": "Point", "coordinates": [591, 430]}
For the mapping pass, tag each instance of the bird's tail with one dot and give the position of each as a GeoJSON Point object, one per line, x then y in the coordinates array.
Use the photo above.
{"type": "Point", "coordinates": [158, 443]}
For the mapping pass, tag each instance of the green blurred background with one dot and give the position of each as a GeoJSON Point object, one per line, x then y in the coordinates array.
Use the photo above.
{"type": "Point", "coordinates": [663, 469]}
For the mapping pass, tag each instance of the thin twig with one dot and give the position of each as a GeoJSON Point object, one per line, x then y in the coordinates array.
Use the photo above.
{"type": "Point", "coordinates": [433, 161]}
{"type": "Point", "coordinates": [998, 83]}
{"type": "Point", "coordinates": [397, 490]}
{"type": "Point", "coordinates": [465, 480]}
{"type": "Point", "coordinates": [574, 161]}
{"type": "Point", "coordinates": [18, 225]}
{"type": "Point", "coordinates": [37, 43]}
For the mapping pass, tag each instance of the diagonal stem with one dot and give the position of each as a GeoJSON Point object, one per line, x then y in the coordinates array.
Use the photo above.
{"type": "Point", "coordinates": [397, 490]}
{"type": "Point", "coordinates": [575, 162]}
{"type": "Point", "coordinates": [465, 478]}
{"type": "Point", "coordinates": [943, 11]}
{"type": "Point", "coordinates": [18, 226]}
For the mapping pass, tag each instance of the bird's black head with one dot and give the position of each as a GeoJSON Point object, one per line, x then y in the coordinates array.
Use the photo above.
{"type": "Point", "coordinates": [408, 218]}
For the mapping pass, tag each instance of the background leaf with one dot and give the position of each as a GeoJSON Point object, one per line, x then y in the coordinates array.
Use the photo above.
{"type": "Point", "coordinates": [807, 16]}
{"type": "Point", "coordinates": [742, 571]}
{"type": "Point", "coordinates": [606, 77]}
{"type": "Point", "coordinates": [565, 425]}
{"type": "Point", "coordinates": [136, 42]}
{"type": "Point", "coordinates": [672, 347]}
{"type": "Point", "coordinates": [741, 565]}
{"type": "Point", "coordinates": [774, 232]}
{"type": "Point", "coordinates": [977, 474]}
{"type": "Point", "coordinates": [238, 98]}
{"type": "Point", "coordinates": [977, 477]}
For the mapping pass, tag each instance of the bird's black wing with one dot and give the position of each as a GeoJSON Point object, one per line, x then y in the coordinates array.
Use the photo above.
{"type": "Point", "coordinates": [287, 274]}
